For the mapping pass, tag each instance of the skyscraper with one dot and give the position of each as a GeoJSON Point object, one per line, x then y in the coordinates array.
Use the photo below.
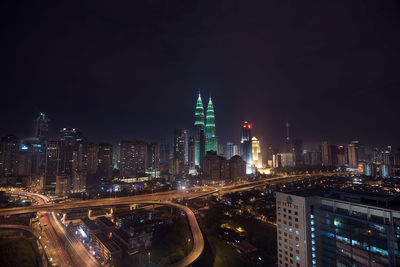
{"type": "Point", "coordinates": [104, 161]}
{"type": "Point", "coordinates": [352, 151]}
{"type": "Point", "coordinates": [180, 145]}
{"type": "Point", "coordinates": [88, 158]}
{"type": "Point", "coordinates": [71, 136]}
{"type": "Point", "coordinates": [246, 146]}
{"type": "Point", "coordinates": [211, 138]}
{"type": "Point", "coordinates": [229, 150]}
{"type": "Point", "coordinates": [192, 153]}
{"type": "Point", "coordinates": [132, 158]}
{"type": "Point", "coordinates": [41, 127]}
{"type": "Point", "coordinates": [52, 163]}
{"type": "Point", "coordinates": [256, 153]}
{"type": "Point", "coordinates": [153, 157]}
{"type": "Point", "coordinates": [198, 129]}
{"type": "Point", "coordinates": [8, 152]}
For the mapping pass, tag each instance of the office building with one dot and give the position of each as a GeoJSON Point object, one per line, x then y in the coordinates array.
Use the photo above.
{"type": "Point", "coordinates": [9, 147]}
{"type": "Point", "coordinates": [88, 158]}
{"type": "Point", "coordinates": [341, 156]}
{"type": "Point", "coordinates": [296, 147]}
{"type": "Point", "coordinates": [41, 129]}
{"type": "Point", "coordinates": [256, 153]}
{"type": "Point", "coordinates": [215, 169]}
{"type": "Point", "coordinates": [352, 151]}
{"type": "Point", "coordinates": [329, 228]}
{"type": "Point", "coordinates": [211, 140]}
{"type": "Point", "coordinates": [153, 158]}
{"type": "Point", "coordinates": [71, 136]}
{"type": "Point", "coordinates": [105, 161]}
{"type": "Point", "coordinates": [283, 160]}
{"type": "Point", "coordinates": [181, 145]}
{"type": "Point", "coordinates": [229, 150]}
{"type": "Point", "coordinates": [246, 151]}
{"type": "Point", "coordinates": [237, 168]}
{"type": "Point", "coordinates": [312, 158]}
{"type": "Point", "coordinates": [328, 154]}
{"type": "Point", "coordinates": [133, 158]}
{"type": "Point", "coordinates": [192, 153]}
{"type": "Point", "coordinates": [63, 184]}
{"type": "Point", "coordinates": [52, 164]}
{"type": "Point", "coordinates": [199, 132]}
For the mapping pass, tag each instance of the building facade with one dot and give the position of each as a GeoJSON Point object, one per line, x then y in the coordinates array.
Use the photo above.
{"type": "Point", "coordinates": [132, 158]}
{"type": "Point", "coordinates": [211, 140]}
{"type": "Point", "coordinates": [319, 228]}
{"type": "Point", "coordinates": [246, 151]}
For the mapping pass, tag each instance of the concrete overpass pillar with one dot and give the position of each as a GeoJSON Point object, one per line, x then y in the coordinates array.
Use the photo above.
{"type": "Point", "coordinates": [64, 217]}
{"type": "Point", "coordinates": [89, 213]}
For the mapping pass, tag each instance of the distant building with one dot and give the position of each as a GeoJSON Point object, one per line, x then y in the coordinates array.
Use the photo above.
{"type": "Point", "coordinates": [312, 158]}
{"type": "Point", "coordinates": [211, 140]}
{"type": "Point", "coordinates": [296, 146]}
{"type": "Point", "coordinates": [284, 160]}
{"type": "Point", "coordinates": [52, 164]}
{"type": "Point", "coordinates": [229, 150]}
{"type": "Point", "coordinates": [63, 184]}
{"type": "Point", "coordinates": [181, 145]}
{"type": "Point", "coordinates": [41, 129]}
{"type": "Point", "coordinates": [237, 168]}
{"type": "Point", "coordinates": [352, 151]}
{"type": "Point", "coordinates": [246, 145]}
{"type": "Point", "coordinates": [328, 154]}
{"type": "Point", "coordinates": [88, 157]}
{"type": "Point", "coordinates": [215, 169]}
{"type": "Point", "coordinates": [192, 153]}
{"type": "Point", "coordinates": [9, 146]}
{"type": "Point", "coordinates": [256, 153]}
{"type": "Point", "coordinates": [71, 136]}
{"type": "Point", "coordinates": [133, 158]}
{"type": "Point", "coordinates": [199, 135]}
{"type": "Point", "coordinates": [175, 168]}
{"type": "Point", "coordinates": [105, 161]}
{"type": "Point", "coordinates": [341, 156]}
{"type": "Point", "coordinates": [153, 157]}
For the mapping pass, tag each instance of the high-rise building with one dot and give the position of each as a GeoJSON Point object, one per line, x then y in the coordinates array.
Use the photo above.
{"type": "Point", "coordinates": [328, 154]}
{"type": "Point", "coordinates": [52, 164]}
{"type": "Point", "coordinates": [256, 153]}
{"type": "Point", "coordinates": [9, 146]}
{"type": "Point", "coordinates": [88, 158]}
{"type": "Point", "coordinates": [153, 157]}
{"type": "Point", "coordinates": [105, 161]}
{"type": "Point", "coordinates": [199, 132]}
{"type": "Point", "coordinates": [63, 184]}
{"type": "Point", "coordinates": [71, 136]}
{"type": "Point", "coordinates": [288, 145]}
{"type": "Point", "coordinates": [229, 150]}
{"type": "Point", "coordinates": [41, 129]}
{"type": "Point", "coordinates": [237, 168]}
{"type": "Point", "coordinates": [246, 145]}
{"type": "Point", "coordinates": [192, 153]}
{"type": "Point", "coordinates": [283, 160]}
{"type": "Point", "coordinates": [341, 156]}
{"type": "Point", "coordinates": [352, 151]}
{"type": "Point", "coordinates": [312, 158]}
{"type": "Point", "coordinates": [133, 158]}
{"type": "Point", "coordinates": [211, 141]}
{"type": "Point", "coordinates": [331, 228]}
{"type": "Point", "coordinates": [215, 169]}
{"type": "Point", "coordinates": [296, 147]}
{"type": "Point", "coordinates": [180, 145]}
{"type": "Point", "coordinates": [236, 150]}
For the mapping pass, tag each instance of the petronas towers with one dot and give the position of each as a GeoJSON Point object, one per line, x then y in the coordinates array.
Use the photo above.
{"type": "Point", "coordinates": [205, 138]}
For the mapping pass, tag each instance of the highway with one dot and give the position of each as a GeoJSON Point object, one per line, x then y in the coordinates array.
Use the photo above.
{"type": "Point", "coordinates": [81, 256]}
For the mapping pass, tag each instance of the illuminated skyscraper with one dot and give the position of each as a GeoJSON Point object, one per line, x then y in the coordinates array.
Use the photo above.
{"type": "Point", "coordinates": [246, 146]}
{"type": "Point", "coordinates": [199, 131]}
{"type": "Point", "coordinates": [211, 139]}
{"type": "Point", "coordinates": [180, 145]}
{"type": "Point", "coordinates": [256, 153]}
{"type": "Point", "coordinates": [104, 161]}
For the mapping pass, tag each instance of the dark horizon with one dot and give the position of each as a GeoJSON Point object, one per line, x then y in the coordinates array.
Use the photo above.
{"type": "Point", "coordinates": [134, 71]}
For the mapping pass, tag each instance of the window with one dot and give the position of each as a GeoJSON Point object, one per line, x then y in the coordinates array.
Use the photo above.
{"type": "Point", "coordinates": [296, 219]}
{"type": "Point", "coordinates": [284, 210]}
{"type": "Point", "coordinates": [290, 217]}
{"type": "Point", "coordinates": [297, 251]}
{"type": "Point", "coordinates": [297, 258]}
{"type": "Point", "coordinates": [297, 232]}
{"type": "Point", "coordinates": [296, 213]}
{"type": "Point", "coordinates": [290, 211]}
{"type": "Point", "coordinates": [296, 225]}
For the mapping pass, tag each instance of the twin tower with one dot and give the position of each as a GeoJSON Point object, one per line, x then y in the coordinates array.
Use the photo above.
{"type": "Point", "coordinates": [204, 137]}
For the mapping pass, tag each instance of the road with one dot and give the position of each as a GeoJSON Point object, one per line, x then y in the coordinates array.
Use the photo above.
{"type": "Point", "coordinates": [80, 254]}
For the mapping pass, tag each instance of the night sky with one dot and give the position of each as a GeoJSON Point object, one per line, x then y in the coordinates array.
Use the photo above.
{"type": "Point", "coordinates": [134, 71]}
